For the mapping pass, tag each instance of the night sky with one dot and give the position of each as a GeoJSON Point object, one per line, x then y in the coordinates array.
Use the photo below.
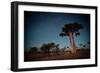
{"type": "Point", "coordinates": [45, 27]}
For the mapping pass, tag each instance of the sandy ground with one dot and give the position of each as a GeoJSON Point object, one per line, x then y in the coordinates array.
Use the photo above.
{"type": "Point", "coordinates": [80, 54]}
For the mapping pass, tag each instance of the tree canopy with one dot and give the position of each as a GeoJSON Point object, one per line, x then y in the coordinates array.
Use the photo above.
{"type": "Point", "coordinates": [72, 27]}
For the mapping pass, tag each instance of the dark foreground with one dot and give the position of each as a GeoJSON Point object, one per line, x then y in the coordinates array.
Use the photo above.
{"type": "Point", "coordinates": [67, 55]}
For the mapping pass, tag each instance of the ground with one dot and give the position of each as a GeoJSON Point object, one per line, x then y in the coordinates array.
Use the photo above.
{"type": "Point", "coordinates": [67, 55]}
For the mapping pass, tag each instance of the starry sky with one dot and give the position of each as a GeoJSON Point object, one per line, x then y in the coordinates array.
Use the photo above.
{"type": "Point", "coordinates": [45, 27]}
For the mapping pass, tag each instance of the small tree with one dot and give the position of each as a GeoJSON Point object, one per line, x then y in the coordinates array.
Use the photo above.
{"type": "Point", "coordinates": [57, 49]}
{"type": "Point", "coordinates": [47, 47]}
{"type": "Point", "coordinates": [84, 46]}
{"type": "Point", "coordinates": [67, 46]}
{"type": "Point", "coordinates": [81, 45]}
{"type": "Point", "coordinates": [33, 50]}
{"type": "Point", "coordinates": [88, 44]}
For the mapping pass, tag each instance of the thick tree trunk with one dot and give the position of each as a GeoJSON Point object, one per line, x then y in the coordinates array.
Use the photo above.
{"type": "Point", "coordinates": [72, 43]}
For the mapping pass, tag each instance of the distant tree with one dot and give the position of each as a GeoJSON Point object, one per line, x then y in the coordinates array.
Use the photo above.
{"type": "Point", "coordinates": [57, 50]}
{"type": "Point", "coordinates": [81, 45]}
{"type": "Point", "coordinates": [33, 50]}
{"type": "Point", "coordinates": [44, 48]}
{"type": "Point", "coordinates": [67, 46]}
{"type": "Point", "coordinates": [88, 44]}
{"type": "Point", "coordinates": [47, 47]}
{"type": "Point", "coordinates": [64, 49]}
{"type": "Point", "coordinates": [69, 30]}
{"type": "Point", "coordinates": [84, 46]}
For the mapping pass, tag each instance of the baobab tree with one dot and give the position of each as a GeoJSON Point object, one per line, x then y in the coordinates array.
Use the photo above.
{"type": "Point", "coordinates": [70, 30]}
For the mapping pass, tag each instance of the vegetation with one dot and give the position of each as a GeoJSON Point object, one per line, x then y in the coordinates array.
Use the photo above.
{"type": "Point", "coordinates": [69, 30]}
{"type": "Point", "coordinates": [51, 51]}
{"type": "Point", "coordinates": [33, 50]}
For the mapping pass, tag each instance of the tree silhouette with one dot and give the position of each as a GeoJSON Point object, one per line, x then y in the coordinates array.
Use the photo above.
{"type": "Point", "coordinates": [69, 30]}
{"type": "Point", "coordinates": [64, 50]}
{"type": "Point", "coordinates": [81, 45]}
{"type": "Point", "coordinates": [84, 46]}
{"type": "Point", "coordinates": [88, 44]}
{"type": "Point", "coordinates": [57, 50]}
{"type": "Point", "coordinates": [67, 46]}
{"type": "Point", "coordinates": [33, 50]}
{"type": "Point", "coordinates": [47, 47]}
